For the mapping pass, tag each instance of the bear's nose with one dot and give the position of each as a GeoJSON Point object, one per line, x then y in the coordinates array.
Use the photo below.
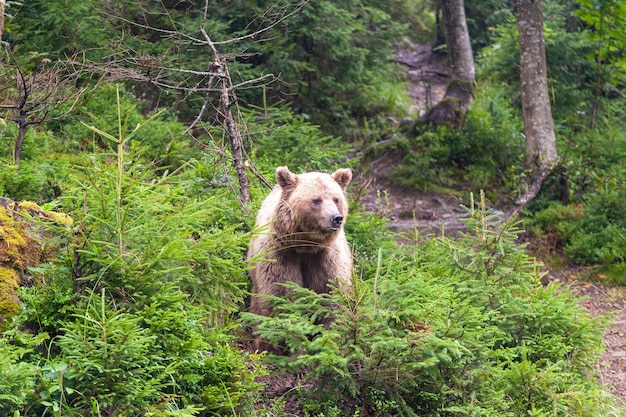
{"type": "Point", "coordinates": [336, 220]}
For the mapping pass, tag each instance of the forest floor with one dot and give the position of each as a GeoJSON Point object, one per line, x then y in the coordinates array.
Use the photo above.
{"type": "Point", "coordinates": [436, 214]}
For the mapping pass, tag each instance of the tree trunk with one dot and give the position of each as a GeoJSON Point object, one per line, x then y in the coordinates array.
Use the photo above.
{"type": "Point", "coordinates": [19, 144]}
{"type": "Point", "coordinates": [459, 97]}
{"type": "Point", "coordinates": [458, 40]}
{"type": "Point", "coordinates": [2, 5]}
{"type": "Point", "coordinates": [541, 152]}
{"type": "Point", "coordinates": [236, 143]}
{"type": "Point", "coordinates": [538, 124]}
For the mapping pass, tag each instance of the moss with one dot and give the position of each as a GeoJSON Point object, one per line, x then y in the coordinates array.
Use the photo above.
{"type": "Point", "coordinates": [17, 249]}
{"type": "Point", "coordinates": [60, 218]}
{"type": "Point", "coordinates": [20, 248]}
{"type": "Point", "coordinates": [30, 206]}
{"type": "Point", "coordinates": [4, 216]}
{"type": "Point", "coordinates": [9, 303]}
{"type": "Point", "coordinates": [459, 88]}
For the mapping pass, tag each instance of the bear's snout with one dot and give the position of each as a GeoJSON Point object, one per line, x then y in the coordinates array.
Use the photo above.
{"type": "Point", "coordinates": [336, 220]}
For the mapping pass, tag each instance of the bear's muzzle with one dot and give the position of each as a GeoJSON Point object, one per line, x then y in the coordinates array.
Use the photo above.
{"type": "Point", "coordinates": [335, 221]}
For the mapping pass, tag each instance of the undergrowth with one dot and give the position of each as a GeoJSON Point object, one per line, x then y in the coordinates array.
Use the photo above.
{"type": "Point", "coordinates": [132, 318]}
{"type": "Point", "coordinates": [137, 314]}
{"type": "Point", "coordinates": [442, 328]}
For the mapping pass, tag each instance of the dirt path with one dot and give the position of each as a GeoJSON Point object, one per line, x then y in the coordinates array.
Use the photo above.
{"type": "Point", "coordinates": [600, 299]}
{"type": "Point", "coordinates": [435, 214]}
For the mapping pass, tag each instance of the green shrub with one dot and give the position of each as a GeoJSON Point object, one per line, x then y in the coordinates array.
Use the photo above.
{"type": "Point", "coordinates": [590, 229]}
{"type": "Point", "coordinates": [111, 360]}
{"type": "Point", "coordinates": [138, 301]}
{"type": "Point", "coordinates": [161, 138]}
{"type": "Point", "coordinates": [139, 232]}
{"type": "Point", "coordinates": [34, 181]}
{"type": "Point", "coordinates": [600, 235]}
{"type": "Point", "coordinates": [41, 172]}
{"type": "Point", "coordinates": [594, 161]}
{"type": "Point", "coordinates": [17, 376]}
{"type": "Point", "coordinates": [332, 60]}
{"type": "Point", "coordinates": [589, 233]}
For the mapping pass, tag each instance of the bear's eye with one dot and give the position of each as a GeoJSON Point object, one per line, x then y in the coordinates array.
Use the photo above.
{"type": "Point", "coordinates": [317, 201]}
{"type": "Point", "coordinates": [336, 200]}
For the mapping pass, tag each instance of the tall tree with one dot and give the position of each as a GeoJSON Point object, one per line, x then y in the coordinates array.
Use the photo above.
{"type": "Point", "coordinates": [209, 77]}
{"type": "Point", "coordinates": [536, 111]}
{"type": "Point", "coordinates": [459, 94]}
{"type": "Point", "coordinates": [541, 153]}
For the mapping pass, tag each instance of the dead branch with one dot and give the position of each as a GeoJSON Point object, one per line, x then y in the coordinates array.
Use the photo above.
{"type": "Point", "coordinates": [226, 102]}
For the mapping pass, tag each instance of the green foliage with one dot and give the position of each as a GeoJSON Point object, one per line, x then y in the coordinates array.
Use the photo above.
{"type": "Point", "coordinates": [138, 301]}
{"type": "Point", "coordinates": [591, 234]}
{"type": "Point", "coordinates": [139, 231]}
{"type": "Point", "coordinates": [111, 360]}
{"type": "Point", "coordinates": [42, 169]}
{"type": "Point", "coordinates": [605, 19]}
{"type": "Point", "coordinates": [335, 55]}
{"type": "Point", "coordinates": [161, 139]}
{"type": "Point", "coordinates": [58, 27]}
{"type": "Point", "coordinates": [443, 328]}
{"type": "Point", "coordinates": [482, 17]}
{"type": "Point", "coordinates": [600, 236]}
{"type": "Point", "coordinates": [594, 160]}
{"type": "Point", "coordinates": [33, 181]}
{"type": "Point", "coordinates": [485, 153]}
{"type": "Point", "coordinates": [590, 229]}
{"type": "Point", "coordinates": [569, 69]}
{"type": "Point", "coordinates": [280, 137]}
{"type": "Point", "coordinates": [17, 377]}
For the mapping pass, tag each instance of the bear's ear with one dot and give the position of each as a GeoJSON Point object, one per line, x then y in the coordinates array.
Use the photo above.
{"type": "Point", "coordinates": [343, 177]}
{"type": "Point", "coordinates": [285, 178]}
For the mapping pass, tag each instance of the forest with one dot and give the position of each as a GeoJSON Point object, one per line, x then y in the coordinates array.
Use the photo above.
{"type": "Point", "coordinates": [138, 140]}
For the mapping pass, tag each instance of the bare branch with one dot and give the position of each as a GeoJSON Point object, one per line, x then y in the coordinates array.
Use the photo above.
{"type": "Point", "coordinates": [202, 109]}
{"type": "Point", "coordinates": [44, 94]}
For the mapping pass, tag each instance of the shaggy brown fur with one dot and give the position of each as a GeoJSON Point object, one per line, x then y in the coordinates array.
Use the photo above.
{"type": "Point", "coordinates": [305, 242]}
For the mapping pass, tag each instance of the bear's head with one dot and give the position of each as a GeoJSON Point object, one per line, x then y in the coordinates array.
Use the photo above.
{"type": "Point", "coordinates": [312, 208]}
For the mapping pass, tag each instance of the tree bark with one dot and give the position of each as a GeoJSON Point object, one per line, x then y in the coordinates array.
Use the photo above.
{"type": "Point", "coordinates": [541, 154]}
{"type": "Point", "coordinates": [2, 5]}
{"type": "Point", "coordinates": [459, 97]}
{"type": "Point", "coordinates": [538, 124]}
{"type": "Point", "coordinates": [236, 143]}
{"type": "Point", "coordinates": [21, 135]}
{"type": "Point", "coordinates": [458, 40]}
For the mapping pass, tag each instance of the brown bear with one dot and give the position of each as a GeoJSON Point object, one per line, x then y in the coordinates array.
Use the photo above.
{"type": "Point", "coordinates": [304, 241]}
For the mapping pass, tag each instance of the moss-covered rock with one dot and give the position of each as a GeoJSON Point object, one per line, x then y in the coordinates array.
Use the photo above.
{"type": "Point", "coordinates": [20, 248]}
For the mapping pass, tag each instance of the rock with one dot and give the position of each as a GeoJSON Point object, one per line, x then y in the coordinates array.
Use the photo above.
{"type": "Point", "coordinates": [20, 248]}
